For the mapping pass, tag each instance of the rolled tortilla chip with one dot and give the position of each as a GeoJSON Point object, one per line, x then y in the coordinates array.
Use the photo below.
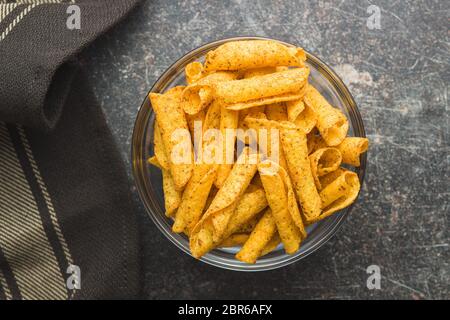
{"type": "Point", "coordinates": [252, 112]}
{"type": "Point", "coordinates": [194, 198]}
{"type": "Point", "coordinates": [250, 204]}
{"type": "Point", "coordinates": [269, 85]}
{"type": "Point", "coordinates": [259, 238]}
{"type": "Point", "coordinates": [351, 149]}
{"type": "Point", "coordinates": [158, 147]}
{"type": "Point", "coordinates": [331, 122]}
{"type": "Point", "coordinates": [303, 116]}
{"type": "Point", "coordinates": [154, 162]}
{"type": "Point", "coordinates": [234, 240]}
{"type": "Point", "coordinates": [330, 177]}
{"type": "Point", "coordinates": [339, 194]}
{"type": "Point", "coordinates": [266, 101]}
{"type": "Point", "coordinates": [175, 133]}
{"type": "Point", "coordinates": [199, 95]}
{"type": "Point", "coordinates": [172, 196]}
{"type": "Point", "coordinates": [247, 54]}
{"type": "Point", "coordinates": [249, 73]}
{"type": "Point", "coordinates": [220, 222]}
{"type": "Point", "coordinates": [212, 118]}
{"type": "Point", "coordinates": [238, 239]}
{"type": "Point", "coordinates": [256, 181]}
{"type": "Point", "coordinates": [281, 203]}
{"type": "Point", "coordinates": [259, 105]}
{"type": "Point", "coordinates": [268, 139]}
{"type": "Point", "coordinates": [195, 124]}
{"type": "Point", "coordinates": [249, 137]}
{"type": "Point", "coordinates": [277, 112]}
{"type": "Point", "coordinates": [228, 123]}
{"type": "Point", "coordinates": [208, 231]}
{"type": "Point", "coordinates": [194, 72]}
{"type": "Point", "coordinates": [296, 153]}
{"type": "Point", "coordinates": [248, 226]}
{"type": "Point", "coordinates": [272, 245]}
{"type": "Point", "coordinates": [292, 204]}
{"type": "Point", "coordinates": [192, 118]}
{"type": "Point", "coordinates": [315, 141]}
{"type": "Point", "coordinates": [196, 97]}
{"type": "Point", "coordinates": [211, 196]}
{"type": "Point", "coordinates": [294, 109]}
{"type": "Point", "coordinates": [324, 161]}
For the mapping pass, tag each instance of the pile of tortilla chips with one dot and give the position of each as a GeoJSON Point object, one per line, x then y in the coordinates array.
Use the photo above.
{"type": "Point", "coordinates": [250, 200]}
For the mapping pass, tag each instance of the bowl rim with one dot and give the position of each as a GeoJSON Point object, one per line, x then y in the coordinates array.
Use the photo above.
{"type": "Point", "coordinates": [136, 161]}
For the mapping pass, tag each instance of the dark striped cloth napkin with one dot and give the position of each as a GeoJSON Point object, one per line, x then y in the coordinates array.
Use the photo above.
{"type": "Point", "coordinates": [68, 226]}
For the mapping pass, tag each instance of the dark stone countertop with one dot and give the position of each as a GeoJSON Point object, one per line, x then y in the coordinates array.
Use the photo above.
{"type": "Point", "coordinates": [399, 76]}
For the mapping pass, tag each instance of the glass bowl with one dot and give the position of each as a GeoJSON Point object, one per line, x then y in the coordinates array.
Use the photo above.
{"type": "Point", "coordinates": [148, 178]}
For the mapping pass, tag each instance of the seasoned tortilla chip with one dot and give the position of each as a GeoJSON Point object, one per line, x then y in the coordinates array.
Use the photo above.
{"type": "Point", "coordinates": [258, 87]}
{"type": "Point", "coordinates": [259, 121]}
{"type": "Point", "coordinates": [194, 198]}
{"type": "Point", "coordinates": [256, 181]}
{"type": "Point", "coordinates": [195, 124]}
{"type": "Point", "coordinates": [351, 149]}
{"type": "Point", "coordinates": [174, 132]}
{"type": "Point", "coordinates": [269, 147]}
{"type": "Point", "coordinates": [194, 72]}
{"type": "Point", "coordinates": [219, 76]}
{"type": "Point", "coordinates": [250, 204]}
{"type": "Point", "coordinates": [234, 240]}
{"type": "Point", "coordinates": [330, 177]}
{"type": "Point", "coordinates": [212, 118]}
{"type": "Point", "coordinates": [199, 95]}
{"type": "Point", "coordinates": [252, 112]}
{"type": "Point", "coordinates": [154, 161]}
{"type": "Point", "coordinates": [266, 101]}
{"type": "Point", "coordinates": [172, 196]}
{"type": "Point", "coordinates": [324, 161]}
{"type": "Point", "coordinates": [277, 112]}
{"type": "Point", "coordinates": [175, 92]}
{"type": "Point", "coordinates": [259, 238]}
{"type": "Point", "coordinates": [228, 121]}
{"type": "Point", "coordinates": [211, 227]}
{"type": "Point", "coordinates": [196, 97]}
{"type": "Point", "coordinates": [296, 153]}
{"type": "Point", "coordinates": [303, 116]}
{"type": "Point", "coordinates": [238, 239]}
{"type": "Point", "coordinates": [331, 122]}
{"type": "Point", "coordinates": [158, 147]}
{"type": "Point", "coordinates": [248, 226]}
{"type": "Point", "coordinates": [339, 194]}
{"type": "Point", "coordinates": [283, 205]}
{"type": "Point", "coordinates": [247, 54]}
{"type": "Point", "coordinates": [272, 245]}
{"type": "Point", "coordinates": [249, 73]}
{"type": "Point", "coordinates": [293, 207]}
{"type": "Point", "coordinates": [294, 108]}
{"type": "Point", "coordinates": [315, 141]}
{"type": "Point", "coordinates": [192, 118]}
{"type": "Point", "coordinates": [248, 136]}
{"type": "Point", "coordinates": [211, 196]}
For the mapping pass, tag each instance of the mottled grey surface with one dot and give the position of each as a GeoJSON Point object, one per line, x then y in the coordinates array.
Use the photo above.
{"type": "Point", "coordinates": [399, 76]}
